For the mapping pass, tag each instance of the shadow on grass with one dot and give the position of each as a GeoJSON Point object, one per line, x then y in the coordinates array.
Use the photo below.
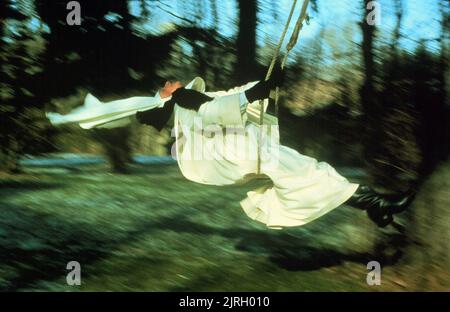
{"type": "Point", "coordinates": [10, 186]}
{"type": "Point", "coordinates": [36, 246]}
{"type": "Point", "coordinates": [286, 251]}
{"type": "Point", "coordinates": [144, 169]}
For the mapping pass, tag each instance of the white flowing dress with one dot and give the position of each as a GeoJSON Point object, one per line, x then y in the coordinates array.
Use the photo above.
{"type": "Point", "coordinates": [303, 189]}
{"type": "Point", "coordinates": [219, 146]}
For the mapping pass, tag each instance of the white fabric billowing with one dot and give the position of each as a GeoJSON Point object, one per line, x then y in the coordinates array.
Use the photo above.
{"type": "Point", "coordinates": [96, 114]}
{"type": "Point", "coordinates": [303, 189]}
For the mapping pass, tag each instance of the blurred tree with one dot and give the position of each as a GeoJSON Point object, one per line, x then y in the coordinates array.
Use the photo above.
{"type": "Point", "coordinates": [405, 115]}
{"type": "Point", "coordinates": [315, 66]}
{"type": "Point", "coordinates": [23, 127]}
{"type": "Point", "coordinates": [368, 95]}
{"type": "Point", "coordinates": [394, 155]}
{"type": "Point", "coordinates": [246, 64]}
{"type": "Point", "coordinates": [216, 57]}
{"type": "Point", "coordinates": [369, 103]}
{"type": "Point", "coordinates": [103, 54]}
{"type": "Point", "coordinates": [101, 51]}
{"type": "Point", "coordinates": [116, 144]}
{"type": "Point", "coordinates": [414, 139]}
{"type": "Point", "coordinates": [396, 35]}
{"type": "Point", "coordinates": [202, 49]}
{"type": "Point", "coordinates": [427, 258]}
{"type": "Point", "coordinates": [10, 146]}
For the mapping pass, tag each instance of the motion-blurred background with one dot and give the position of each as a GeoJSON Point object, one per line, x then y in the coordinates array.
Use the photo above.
{"type": "Point", "coordinates": [370, 100]}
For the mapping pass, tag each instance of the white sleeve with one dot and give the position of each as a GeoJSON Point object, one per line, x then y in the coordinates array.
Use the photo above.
{"type": "Point", "coordinates": [233, 90]}
{"type": "Point", "coordinates": [100, 112]}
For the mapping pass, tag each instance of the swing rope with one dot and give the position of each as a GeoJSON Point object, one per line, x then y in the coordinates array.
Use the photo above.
{"type": "Point", "coordinates": [291, 44]}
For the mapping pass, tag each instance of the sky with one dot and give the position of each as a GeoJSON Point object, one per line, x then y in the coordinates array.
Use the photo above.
{"type": "Point", "coordinates": [421, 18]}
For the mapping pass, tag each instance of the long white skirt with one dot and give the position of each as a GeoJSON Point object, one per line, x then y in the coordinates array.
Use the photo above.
{"type": "Point", "coordinates": [303, 189]}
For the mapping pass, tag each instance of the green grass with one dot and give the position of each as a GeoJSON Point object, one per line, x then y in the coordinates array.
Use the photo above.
{"type": "Point", "coordinates": [152, 230]}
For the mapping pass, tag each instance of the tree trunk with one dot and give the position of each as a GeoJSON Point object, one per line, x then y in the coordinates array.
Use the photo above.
{"type": "Point", "coordinates": [116, 146]}
{"type": "Point", "coordinates": [246, 41]}
{"type": "Point", "coordinates": [367, 91]}
{"type": "Point", "coordinates": [395, 41]}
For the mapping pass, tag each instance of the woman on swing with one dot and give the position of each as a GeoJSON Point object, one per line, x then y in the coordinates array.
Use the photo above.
{"type": "Point", "coordinates": [302, 190]}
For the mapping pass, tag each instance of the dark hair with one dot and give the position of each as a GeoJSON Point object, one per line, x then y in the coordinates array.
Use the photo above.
{"type": "Point", "coordinates": [169, 78]}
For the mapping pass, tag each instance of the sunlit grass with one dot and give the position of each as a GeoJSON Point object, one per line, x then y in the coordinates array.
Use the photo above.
{"type": "Point", "coordinates": [153, 230]}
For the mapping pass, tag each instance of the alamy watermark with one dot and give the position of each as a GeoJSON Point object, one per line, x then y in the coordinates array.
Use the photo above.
{"type": "Point", "coordinates": [373, 18]}
{"type": "Point", "coordinates": [73, 278]}
{"type": "Point", "coordinates": [374, 276]}
{"type": "Point", "coordinates": [74, 16]}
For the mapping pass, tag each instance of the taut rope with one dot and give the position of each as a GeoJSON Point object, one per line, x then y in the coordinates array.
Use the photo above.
{"type": "Point", "coordinates": [289, 47]}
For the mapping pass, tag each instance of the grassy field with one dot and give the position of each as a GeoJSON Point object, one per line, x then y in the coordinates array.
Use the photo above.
{"type": "Point", "coordinates": [152, 230]}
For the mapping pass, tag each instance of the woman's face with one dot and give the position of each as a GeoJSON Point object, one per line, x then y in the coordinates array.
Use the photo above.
{"type": "Point", "coordinates": [170, 88]}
